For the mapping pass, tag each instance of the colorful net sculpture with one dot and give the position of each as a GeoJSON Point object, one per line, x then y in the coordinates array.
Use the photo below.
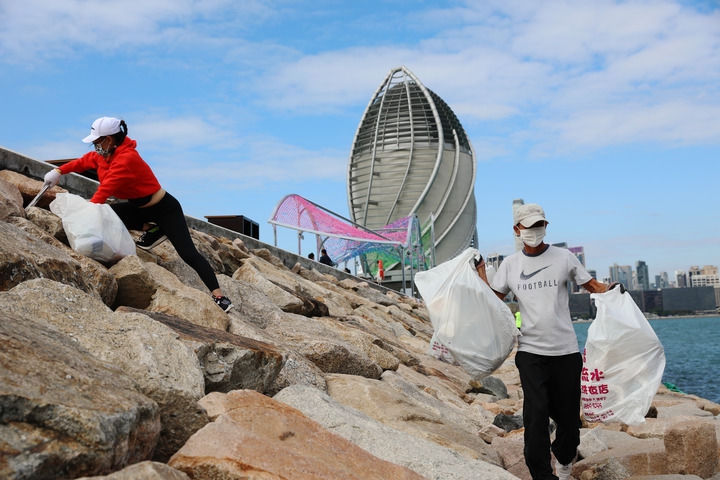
{"type": "Point", "coordinates": [344, 239]}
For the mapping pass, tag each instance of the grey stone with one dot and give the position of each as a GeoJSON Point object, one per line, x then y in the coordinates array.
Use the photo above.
{"type": "Point", "coordinates": [422, 456]}
{"type": "Point", "coordinates": [63, 412]}
{"type": "Point", "coordinates": [508, 422]}
{"type": "Point", "coordinates": [163, 367]}
{"type": "Point", "coordinates": [144, 471]}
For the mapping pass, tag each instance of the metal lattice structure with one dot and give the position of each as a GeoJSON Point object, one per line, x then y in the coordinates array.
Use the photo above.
{"type": "Point", "coordinates": [411, 156]}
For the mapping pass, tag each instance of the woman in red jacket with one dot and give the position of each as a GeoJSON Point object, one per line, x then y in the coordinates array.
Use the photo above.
{"type": "Point", "coordinates": [124, 174]}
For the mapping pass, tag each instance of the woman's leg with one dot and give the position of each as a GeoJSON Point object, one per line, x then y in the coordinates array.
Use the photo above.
{"type": "Point", "coordinates": [169, 216]}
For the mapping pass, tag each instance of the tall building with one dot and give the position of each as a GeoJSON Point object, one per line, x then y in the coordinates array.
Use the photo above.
{"type": "Point", "coordinates": [692, 271]}
{"type": "Point", "coordinates": [621, 274]}
{"type": "Point", "coordinates": [643, 277]}
{"type": "Point", "coordinates": [518, 243]}
{"type": "Point", "coordinates": [681, 279]}
{"type": "Point", "coordinates": [411, 155]}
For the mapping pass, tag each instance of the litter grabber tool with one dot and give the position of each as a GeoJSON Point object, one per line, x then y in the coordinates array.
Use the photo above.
{"type": "Point", "coordinates": [37, 197]}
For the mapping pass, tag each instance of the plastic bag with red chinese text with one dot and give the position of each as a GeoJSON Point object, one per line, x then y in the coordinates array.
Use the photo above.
{"type": "Point", "coordinates": [623, 362]}
{"type": "Point", "coordinates": [469, 320]}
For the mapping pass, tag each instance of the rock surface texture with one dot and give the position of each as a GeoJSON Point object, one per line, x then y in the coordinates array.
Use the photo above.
{"type": "Point", "coordinates": [130, 371]}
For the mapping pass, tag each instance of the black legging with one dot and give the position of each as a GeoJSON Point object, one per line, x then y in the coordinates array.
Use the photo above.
{"type": "Point", "coordinates": [168, 215]}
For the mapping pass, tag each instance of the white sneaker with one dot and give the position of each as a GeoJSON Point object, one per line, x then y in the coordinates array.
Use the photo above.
{"type": "Point", "coordinates": [563, 472]}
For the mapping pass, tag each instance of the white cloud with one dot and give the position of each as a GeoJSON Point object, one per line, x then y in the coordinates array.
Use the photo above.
{"type": "Point", "coordinates": [41, 29]}
{"type": "Point", "coordinates": [578, 73]}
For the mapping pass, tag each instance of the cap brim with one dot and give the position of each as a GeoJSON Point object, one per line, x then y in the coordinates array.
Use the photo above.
{"type": "Point", "coordinates": [91, 138]}
{"type": "Point", "coordinates": [532, 220]}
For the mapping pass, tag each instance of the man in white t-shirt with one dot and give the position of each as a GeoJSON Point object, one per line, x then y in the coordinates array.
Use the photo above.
{"type": "Point", "coordinates": [548, 357]}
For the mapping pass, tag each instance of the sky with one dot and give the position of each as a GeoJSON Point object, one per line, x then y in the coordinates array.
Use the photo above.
{"type": "Point", "coordinates": [607, 113]}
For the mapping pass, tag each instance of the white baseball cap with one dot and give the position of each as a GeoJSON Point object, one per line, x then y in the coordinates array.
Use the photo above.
{"type": "Point", "coordinates": [528, 214]}
{"type": "Point", "coordinates": [102, 127]}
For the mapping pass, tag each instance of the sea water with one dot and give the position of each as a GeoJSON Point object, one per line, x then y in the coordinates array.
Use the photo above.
{"type": "Point", "coordinates": [692, 353]}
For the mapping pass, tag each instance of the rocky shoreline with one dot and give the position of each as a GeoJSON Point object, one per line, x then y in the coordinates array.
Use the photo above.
{"type": "Point", "coordinates": [130, 371]}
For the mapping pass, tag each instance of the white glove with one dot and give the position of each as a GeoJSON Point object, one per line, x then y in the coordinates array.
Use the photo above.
{"type": "Point", "coordinates": [52, 178]}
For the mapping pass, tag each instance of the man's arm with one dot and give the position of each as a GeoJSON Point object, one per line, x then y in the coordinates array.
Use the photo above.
{"type": "Point", "coordinates": [593, 286]}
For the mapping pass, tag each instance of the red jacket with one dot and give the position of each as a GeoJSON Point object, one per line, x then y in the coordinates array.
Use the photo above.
{"type": "Point", "coordinates": [122, 175]}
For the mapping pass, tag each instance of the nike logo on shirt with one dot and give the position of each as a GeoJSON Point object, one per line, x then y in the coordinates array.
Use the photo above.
{"type": "Point", "coordinates": [529, 276]}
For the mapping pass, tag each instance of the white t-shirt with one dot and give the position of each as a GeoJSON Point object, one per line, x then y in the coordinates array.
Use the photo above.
{"type": "Point", "coordinates": [539, 283]}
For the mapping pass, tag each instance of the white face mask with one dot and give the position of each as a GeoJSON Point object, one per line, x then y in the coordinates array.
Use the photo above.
{"type": "Point", "coordinates": [532, 237]}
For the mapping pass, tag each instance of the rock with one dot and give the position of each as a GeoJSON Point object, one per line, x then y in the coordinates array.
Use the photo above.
{"type": "Point", "coordinates": [692, 448]}
{"type": "Point", "coordinates": [600, 439]}
{"type": "Point", "coordinates": [508, 422]}
{"type": "Point", "coordinates": [259, 437]}
{"type": "Point", "coordinates": [422, 456]}
{"type": "Point", "coordinates": [98, 281]}
{"type": "Point", "coordinates": [389, 406]}
{"type": "Point", "coordinates": [265, 254]}
{"type": "Point", "coordinates": [163, 367]}
{"type": "Point", "coordinates": [636, 457]}
{"type": "Point", "coordinates": [286, 301]}
{"type": "Point", "coordinates": [144, 471]}
{"type": "Point", "coordinates": [29, 188]}
{"type": "Point", "coordinates": [664, 477]}
{"type": "Point", "coordinates": [250, 304]}
{"type": "Point", "coordinates": [490, 385]}
{"type": "Point", "coordinates": [228, 362]}
{"type": "Point", "coordinates": [331, 357]}
{"type": "Point", "coordinates": [64, 412]}
{"type": "Point", "coordinates": [298, 370]}
{"type": "Point", "coordinates": [24, 257]}
{"type": "Point", "coordinates": [147, 286]}
{"type": "Point", "coordinates": [48, 222]}
{"type": "Point", "coordinates": [510, 448]}
{"type": "Point", "coordinates": [11, 202]}
{"type": "Point", "coordinates": [682, 410]}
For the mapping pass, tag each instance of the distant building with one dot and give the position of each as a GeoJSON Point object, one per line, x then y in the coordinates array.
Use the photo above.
{"type": "Point", "coordinates": [688, 299]}
{"type": "Point", "coordinates": [621, 274]}
{"type": "Point", "coordinates": [593, 274]}
{"type": "Point", "coordinates": [680, 279]}
{"type": "Point", "coordinates": [495, 259]}
{"type": "Point", "coordinates": [643, 278]}
{"type": "Point", "coordinates": [581, 306]}
{"type": "Point", "coordinates": [707, 277]}
{"type": "Point", "coordinates": [692, 271]}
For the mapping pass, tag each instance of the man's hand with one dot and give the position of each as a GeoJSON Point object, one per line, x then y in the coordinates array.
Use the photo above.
{"type": "Point", "coordinates": [615, 284]}
{"type": "Point", "coordinates": [52, 178]}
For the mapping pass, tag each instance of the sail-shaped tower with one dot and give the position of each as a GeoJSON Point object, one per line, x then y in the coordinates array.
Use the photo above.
{"type": "Point", "coordinates": [411, 155]}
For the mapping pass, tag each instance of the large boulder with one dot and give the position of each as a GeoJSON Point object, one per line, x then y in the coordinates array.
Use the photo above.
{"type": "Point", "coordinates": [228, 361]}
{"type": "Point", "coordinates": [692, 448]}
{"type": "Point", "coordinates": [24, 257]}
{"type": "Point", "coordinates": [63, 412]}
{"type": "Point", "coordinates": [143, 471]}
{"type": "Point", "coordinates": [147, 286]}
{"type": "Point", "coordinates": [286, 301]}
{"type": "Point", "coordinates": [163, 367]}
{"type": "Point", "coordinates": [29, 188]}
{"type": "Point", "coordinates": [394, 408]}
{"type": "Point", "coordinates": [11, 202]}
{"type": "Point", "coordinates": [250, 304]}
{"type": "Point", "coordinates": [260, 438]}
{"type": "Point", "coordinates": [425, 457]}
{"type": "Point", "coordinates": [96, 278]}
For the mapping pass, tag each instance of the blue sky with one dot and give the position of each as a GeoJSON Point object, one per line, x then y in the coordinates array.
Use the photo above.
{"type": "Point", "coordinates": [606, 113]}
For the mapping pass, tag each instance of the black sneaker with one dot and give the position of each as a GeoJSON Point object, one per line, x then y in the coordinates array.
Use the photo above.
{"type": "Point", "coordinates": [223, 302]}
{"type": "Point", "coordinates": [151, 238]}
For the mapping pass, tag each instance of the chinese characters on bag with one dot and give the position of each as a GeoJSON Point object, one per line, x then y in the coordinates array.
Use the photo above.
{"type": "Point", "coordinates": [594, 390]}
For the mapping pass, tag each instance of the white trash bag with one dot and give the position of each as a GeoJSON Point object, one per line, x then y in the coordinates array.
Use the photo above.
{"type": "Point", "coordinates": [468, 319]}
{"type": "Point", "coordinates": [93, 229]}
{"type": "Point", "coordinates": [623, 362]}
